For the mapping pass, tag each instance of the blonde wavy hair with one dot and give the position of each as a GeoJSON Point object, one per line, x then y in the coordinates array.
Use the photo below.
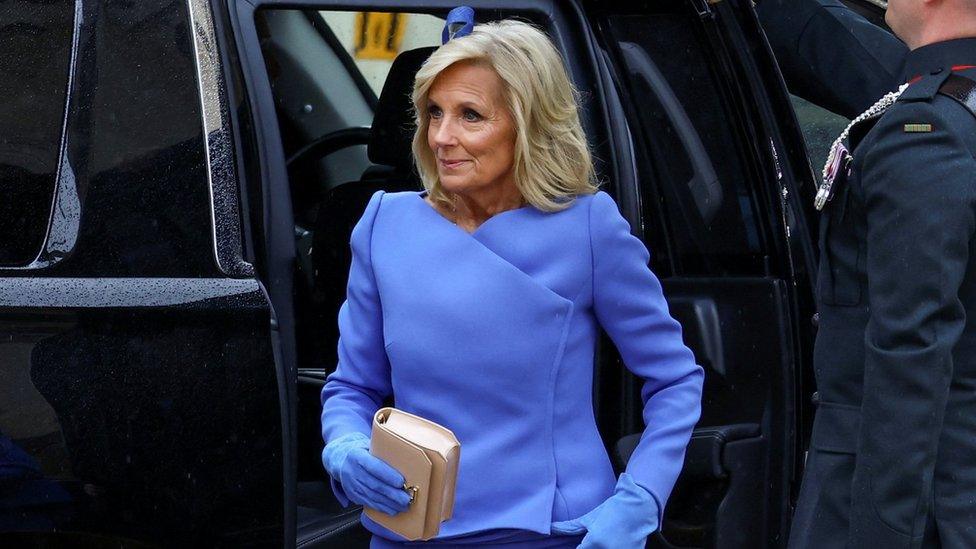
{"type": "Point", "coordinates": [552, 160]}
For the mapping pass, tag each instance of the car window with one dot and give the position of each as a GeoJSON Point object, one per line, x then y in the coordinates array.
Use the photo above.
{"type": "Point", "coordinates": [820, 128]}
{"type": "Point", "coordinates": [133, 193]}
{"type": "Point", "coordinates": [327, 69]}
{"type": "Point", "coordinates": [373, 39]}
{"type": "Point", "coordinates": [35, 52]}
{"type": "Point", "coordinates": [692, 148]}
{"type": "Point", "coordinates": [315, 92]}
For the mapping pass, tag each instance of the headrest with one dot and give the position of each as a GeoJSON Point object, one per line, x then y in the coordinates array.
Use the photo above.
{"type": "Point", "coordinates": [393, 123]}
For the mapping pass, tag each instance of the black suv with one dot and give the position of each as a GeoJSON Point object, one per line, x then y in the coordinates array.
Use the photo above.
{"type": "Point", "coordinates": [178, 183]}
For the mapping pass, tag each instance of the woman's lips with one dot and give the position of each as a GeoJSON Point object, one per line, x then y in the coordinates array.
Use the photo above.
{"type": "Point", "coordinates": [451, 164]}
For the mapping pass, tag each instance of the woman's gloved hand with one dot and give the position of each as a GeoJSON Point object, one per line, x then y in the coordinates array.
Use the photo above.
{"type": "Point", "coordinates": [366, 480]}
{"type": "Point", "coordinates": [623, 521]}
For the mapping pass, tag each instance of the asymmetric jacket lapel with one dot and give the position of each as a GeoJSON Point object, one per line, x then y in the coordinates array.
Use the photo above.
{"type": "Point", "coordinates": [480, 240]}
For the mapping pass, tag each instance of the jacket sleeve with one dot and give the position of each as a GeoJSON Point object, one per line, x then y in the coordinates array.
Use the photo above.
{"type": "Point", "coordinates": [830, 55]}
{"type": "Point", "coordinates": [361, 381]}
{"type": "Point", "coordinates": [920, 196]}
{"type": "Point", "coordinates": [630, 306]}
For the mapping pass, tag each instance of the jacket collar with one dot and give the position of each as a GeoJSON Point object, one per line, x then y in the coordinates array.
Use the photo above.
{"type": "Point", "coordinates": [940, 57]}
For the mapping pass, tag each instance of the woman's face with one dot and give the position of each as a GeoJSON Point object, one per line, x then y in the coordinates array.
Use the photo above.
{"type": "Point", "coordinates": [471, 132]}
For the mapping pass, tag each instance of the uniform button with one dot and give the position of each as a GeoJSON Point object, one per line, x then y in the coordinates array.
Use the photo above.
{"type": "Point", "coordinates": [815, 398]}
{"type": "Point", "coordinates": [815, 319]}
{"type": "Point", "coordinates": [937, 71]}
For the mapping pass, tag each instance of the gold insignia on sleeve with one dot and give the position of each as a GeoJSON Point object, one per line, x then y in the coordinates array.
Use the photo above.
{"type": "Point", "coordinates": [918, 128]}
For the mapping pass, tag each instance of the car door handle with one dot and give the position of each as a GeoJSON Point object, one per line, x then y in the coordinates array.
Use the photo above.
{"type": "Point", "coordinates": [703, 460]}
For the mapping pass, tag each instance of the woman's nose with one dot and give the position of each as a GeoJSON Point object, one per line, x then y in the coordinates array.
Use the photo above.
{"type": "Point", "coordinates": [444, 134]}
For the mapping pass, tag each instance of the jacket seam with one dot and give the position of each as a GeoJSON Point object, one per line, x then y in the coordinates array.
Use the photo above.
{"type": "Point", "coordinates": [372, 225]}
{"type": "Point", "coordinates": [589, 231]}
{"type": "Point", "coordinates": [372, 270]}
{"type": "Point", "coordinates": [562, 498]}
{"type": "Point", "coordinates": [550, 401]}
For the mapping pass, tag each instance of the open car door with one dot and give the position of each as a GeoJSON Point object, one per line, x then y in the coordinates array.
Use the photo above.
{"type": "Point", "coordinates": [720, 194]}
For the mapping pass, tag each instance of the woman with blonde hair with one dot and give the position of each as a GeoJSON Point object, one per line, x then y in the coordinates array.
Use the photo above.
{"type": "Point", "coordinates": [477, 303]}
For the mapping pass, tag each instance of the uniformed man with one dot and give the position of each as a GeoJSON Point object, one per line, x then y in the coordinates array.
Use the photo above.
{"type": "Point", "coordinates": [892, 460]}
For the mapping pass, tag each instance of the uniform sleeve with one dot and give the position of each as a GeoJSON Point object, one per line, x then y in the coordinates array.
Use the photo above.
{"type": "Point", "coordinates": [920, 193]}
{"type": "Point", "coordinates": [830, 55]}
{"type": "Point", "coordinates": [361, 381]}
{"type": "Point", "coordinates": [630, 306]}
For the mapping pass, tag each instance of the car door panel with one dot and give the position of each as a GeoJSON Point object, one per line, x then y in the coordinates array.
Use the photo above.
{"type": "Point", "coordinates": [721, 498]}
{"type": "Point", "coordinates": [152, 418]}
{"type": "Point", "coordinates": [733, 456]}
{"type": "Point", "coordinates": [689, 75]}
{"type": "Point", "coordinates": [141, 401]}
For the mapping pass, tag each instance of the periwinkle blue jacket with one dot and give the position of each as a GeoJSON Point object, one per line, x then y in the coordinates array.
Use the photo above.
{"type": "Point", "coordinates": [492, 334]}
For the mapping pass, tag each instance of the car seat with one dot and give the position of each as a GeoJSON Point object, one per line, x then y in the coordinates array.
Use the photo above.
{"type": "Point", "coordinates": [389, 149]}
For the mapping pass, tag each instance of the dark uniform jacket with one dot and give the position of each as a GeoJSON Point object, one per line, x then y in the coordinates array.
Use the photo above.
{"type": "Point", "coordinates": [831, 56]}
{"type": "Point", "coordinates": [895, 357]}
{"type": "Point", "coordinates": [892, 460]}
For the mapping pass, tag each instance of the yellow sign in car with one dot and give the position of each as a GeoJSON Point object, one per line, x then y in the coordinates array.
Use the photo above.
{"type": "Point", "coordinates": [378, 35]}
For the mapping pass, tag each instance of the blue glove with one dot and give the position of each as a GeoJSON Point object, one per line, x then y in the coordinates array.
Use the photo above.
{"type": "Point", "coordinates": [365, 479]}
{"type": "Point", "coordinates": [624, 520]}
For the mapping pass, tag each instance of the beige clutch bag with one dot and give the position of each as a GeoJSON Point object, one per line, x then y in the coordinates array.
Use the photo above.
{"type": "Point", "coordinates": [427, 455]}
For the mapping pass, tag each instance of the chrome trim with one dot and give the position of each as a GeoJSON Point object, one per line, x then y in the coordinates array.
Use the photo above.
{"type": "Point", "coordinates": [221, 171]}
{"type": "Point", "coordinates": [64, 220]}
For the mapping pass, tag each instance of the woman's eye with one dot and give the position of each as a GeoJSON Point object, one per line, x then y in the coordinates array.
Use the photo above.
{"type": "Point", "coordinates": [434, 112]}
{"type": "Point", "coordinates": [471, 116]}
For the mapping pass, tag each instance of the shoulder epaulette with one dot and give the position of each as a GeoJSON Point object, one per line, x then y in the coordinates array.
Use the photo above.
{"type": "Point", "coordinates": [925, 88]}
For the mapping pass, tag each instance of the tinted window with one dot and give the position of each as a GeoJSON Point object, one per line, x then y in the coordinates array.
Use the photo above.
{"type": "Point", "coordinates": [133, 193]}
{"type": "Point", "coordinates": [691, 141]}
{"type": "Point", "coordinates": [35, 51]}
{"type": "Point", "coordinates": [820, 127]}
